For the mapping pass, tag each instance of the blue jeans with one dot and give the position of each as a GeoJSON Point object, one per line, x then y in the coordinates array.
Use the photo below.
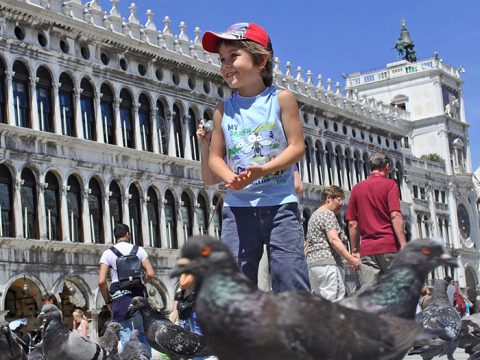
{"type": "Point", "coordinates": [135, 322]}
{"type": "Point", "coordinates": [191, 324]}
{"type": "Point", "coordinates": [246, 229]}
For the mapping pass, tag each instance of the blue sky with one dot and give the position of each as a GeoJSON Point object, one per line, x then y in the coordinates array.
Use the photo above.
{"type": "Point", "coordinates": [344, 36]}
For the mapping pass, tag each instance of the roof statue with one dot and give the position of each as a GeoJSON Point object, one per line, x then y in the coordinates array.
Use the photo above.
{"type": "Point", "coordinates": [405, 46]}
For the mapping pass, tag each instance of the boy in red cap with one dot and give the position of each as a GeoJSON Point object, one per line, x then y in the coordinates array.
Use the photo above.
{"type": "Point", "coordinates": [256, 141]}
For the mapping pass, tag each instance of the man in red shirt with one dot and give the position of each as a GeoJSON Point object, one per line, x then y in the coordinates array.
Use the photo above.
{"type": "Point", "coordinates": [374, 216]}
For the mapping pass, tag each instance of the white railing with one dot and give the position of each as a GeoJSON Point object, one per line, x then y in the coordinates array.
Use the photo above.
{"type": "Point", "coordinates": [402, 69]}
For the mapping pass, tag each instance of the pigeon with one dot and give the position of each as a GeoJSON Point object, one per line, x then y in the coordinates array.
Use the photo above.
{"type": "Point", "coordinates": [439, 314]}
{"type": "Point", "coordinates": [10, 349]}
{"type": "Point", "coordinates": [165, 336]}
{"type": "Point", "coordinates": [134, 349]}
{"type": "Point", "coordinates": [470, 334]}
{"type": "Point", "coordinates": [241, 322]}
{"type": "Point", "coordinates": [398, 290]}
{"type": "Point", "coordinates": [36, 353]}
{"type": "Point", "coordinates": [109, 339]}
{"type": "Point", "coordinates": [60, 343]}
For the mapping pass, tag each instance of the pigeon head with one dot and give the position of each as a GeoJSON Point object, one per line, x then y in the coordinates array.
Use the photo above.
{"type": "Point", "coordinates": [137, 303]}
{"type": "Point", "coordinates": [202, 255]}
{"type": "Point", "coordinates": [115, 327]}
{"type": "Point", "coordinates": [425, 254]}
{"type": "Point", "coordinates": [49, 312]}
{"type": "Point", "coordinates": [4, 328]}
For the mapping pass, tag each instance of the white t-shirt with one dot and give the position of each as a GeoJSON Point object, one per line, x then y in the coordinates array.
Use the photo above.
{"type": "Point", "coordinates": [110, 259]}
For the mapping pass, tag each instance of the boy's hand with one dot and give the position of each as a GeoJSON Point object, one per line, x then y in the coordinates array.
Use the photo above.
{"type": "Point", "coordinates": [245, 178]}
{"type": "Point", "coordinates": [201, 133]}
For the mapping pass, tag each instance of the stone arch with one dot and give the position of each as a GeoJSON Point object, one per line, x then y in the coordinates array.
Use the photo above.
{"type": "Point", "coordinates": [30, 280]}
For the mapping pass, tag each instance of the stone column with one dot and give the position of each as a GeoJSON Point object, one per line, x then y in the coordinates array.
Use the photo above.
{"type": "Point", "coordinates": [187, 143]}
{"type": "Point", "coordinates": [64, 214]}
{"type": "Point", "coordinates": [136, 127]}
{"type": "Point", "coordinates": [17, 206]}
{"type": "Point", "coordinates": [86, 219]}
{"type": "Point", "coordinates": [326, 182]}
{"type": "Point", "coordinates": [57, 113]}
{"type": "Point", "coordinates": [34, 105]}
{"type": "Point", "coordinates": [94, 323]}
{"type": "Point", "coordinates": [42, 216]}
{"type": "Point", "coordinates": [163, 226]}
{"type": "Point", "coordinates": [107, 222]}
{"type": "Point", "coordinates": [314, 165]}
{"type": "Point", "coordinates": [10, 101]}
{"type": "Point", "coordinates": [333, 163]}
{"type": "Point", "coordinates": [78, 116]}
{"type": "Point", "coordinates": [468, 156]}
{"type": "Point", "coordinates": [343, 171]}
{"type": "Point", "coordinates": [147, 237]}
{"type": "Point", "coordinates": [172, 147]}
{"type": "Point", "coordinates": [452, 209]}
{"type": "Point", "coordinates": [431, 206]}
{"type": "Point", "coordinates": [445, 146]}
{"type": "Point", "coordinates": [3, 313]}
{"type": "Point", "coordinates": [126, 210]}
{"type": "Point", "coordinates": [118, 123]}
{"type": "Point", "coordinates": [153, 120]}
{"type": "Point", "coordinates": [98, 117]}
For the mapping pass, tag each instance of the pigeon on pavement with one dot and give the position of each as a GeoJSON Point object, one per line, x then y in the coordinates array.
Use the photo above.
{"type": "Point", "coordinates": [36, 353]}
{"type": "Point", "coordinates": [439, 315]}
{"type": "Point", "coordinates": [398, 290]}
{"type": "Point", "coordinates": [10, 349]}
{"type": "Point", "coordinates": [60, 343]}
{"type": "Point", "coordinates": [109, 339]}
{"type": "Point", "coordinates": [134, 349]}
{"type": "Point", "coordinates": [165, 336]}
{"type": "Point", "coordinates": [241, 322]}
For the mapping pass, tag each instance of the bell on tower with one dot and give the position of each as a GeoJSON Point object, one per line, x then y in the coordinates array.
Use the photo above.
{"type": "Point", "coordinates": [405, 46]}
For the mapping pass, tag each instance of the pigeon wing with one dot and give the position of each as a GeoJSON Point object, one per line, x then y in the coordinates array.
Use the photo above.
{"type": "Point", "coordinates": [173, 339]}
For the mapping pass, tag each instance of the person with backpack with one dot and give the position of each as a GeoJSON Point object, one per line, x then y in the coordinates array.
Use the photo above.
{"type": "Point", "coordinates": [129, 269]}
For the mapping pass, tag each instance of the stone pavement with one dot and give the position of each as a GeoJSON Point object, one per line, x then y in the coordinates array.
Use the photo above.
{"type": "Point", "coordinates": [459, 355]}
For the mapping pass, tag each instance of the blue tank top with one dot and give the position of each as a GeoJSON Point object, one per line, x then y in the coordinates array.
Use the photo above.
{"type": "Point", "coordinates": [253, 131]}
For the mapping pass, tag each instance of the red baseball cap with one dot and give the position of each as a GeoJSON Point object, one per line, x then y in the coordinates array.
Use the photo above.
{"type": "Point", "coordinates": [238, 31]}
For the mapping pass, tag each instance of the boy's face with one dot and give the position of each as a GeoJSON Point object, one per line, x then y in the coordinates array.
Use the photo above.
{"type": "Point", "coordinates": [238, 69]}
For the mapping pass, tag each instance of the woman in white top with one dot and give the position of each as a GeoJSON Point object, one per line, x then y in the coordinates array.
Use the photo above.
{"type": "Point", "coordinates": [80, 322]}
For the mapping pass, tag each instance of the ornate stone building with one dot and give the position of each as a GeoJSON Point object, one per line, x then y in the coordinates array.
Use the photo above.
{"type": "Point", "coordinates": [97, 126]}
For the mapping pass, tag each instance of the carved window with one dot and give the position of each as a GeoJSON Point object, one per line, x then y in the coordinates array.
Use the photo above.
{"type": "Point", "coordinates": [21, 95]}
{"type": "Point", "coordinates": [74, 209]}
{"type": "Point", "coordinates": [162, 128]}
{"type": "Point", "coordinates": [115, 205]}
{"type": "Point", "coordinates": [348, 168]}
{"type": "Point", "coordinates": [187, 219]}
{"type": "Point", "coordinates": [308, 162]}
{"type": "Point", "coordinates": [44, 100]}
{"type": "Point", "coordinates": [202, 215]}
{"type": "Point", "coordinates": [177, 130]}
{"type": "Point", "coordinates": [170, 221]}
{"type": "Point", "coordinates": [135, 215]}
{"type": "Point", "coordinates": [126, 108]}
{"type": "Point", "coordinates": [67, 107]}
{"type": "Point", "coordinates": [145, 124]}
{"type": "Point", "coordinates": [319, 160]}
{"type": "Point", "coordinates": [52, 207]}
{"type": "Point", "coordinates": [28, 194]}
{"type": "Point", "coordinates": [108, 118]}
{"type": "Point", "coordinates": [217, 205]}
{"type": "Point", "coordinates": [95, 204]}
{"type": "Point", "coordinates": [153, 218]}
{"type": "Point", "coordinates": [192, 124]}
{"type": "Point", "coordinates": [87, 105]}
{"type": "Point", "coordinates": [6, 203]}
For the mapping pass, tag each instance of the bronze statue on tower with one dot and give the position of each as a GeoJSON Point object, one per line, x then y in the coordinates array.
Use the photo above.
{"type": "Point", "coordinates": [405, 46]}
